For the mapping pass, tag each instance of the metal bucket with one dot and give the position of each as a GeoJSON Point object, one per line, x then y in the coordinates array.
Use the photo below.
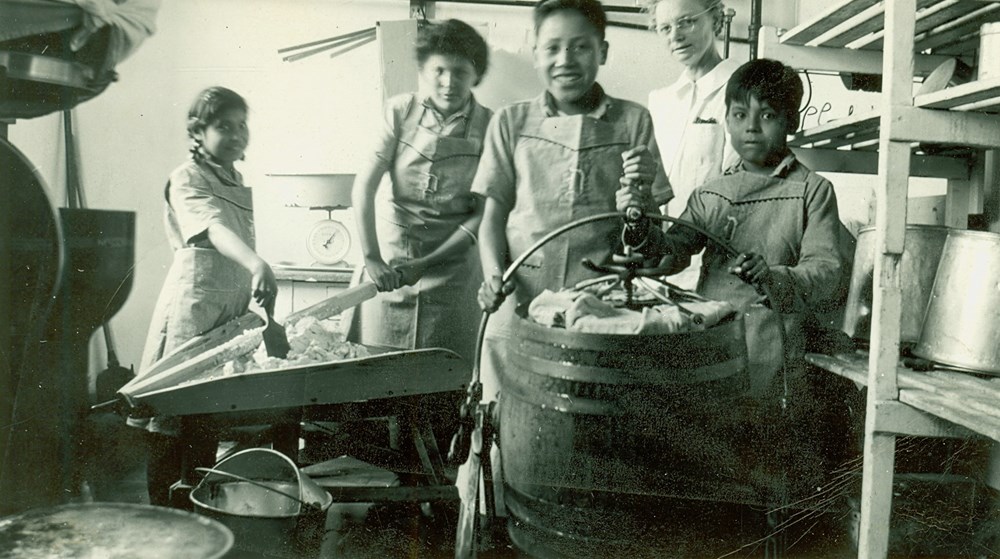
{"type": "Point", "coordinates": [960, 328]}
{"type": "Point", "coordinates": [113, 530]}
{"type": "Point", "coordinates": [272, 508]}
{"type": "Point", "coordinates": [919, 263]}
{"type": "Point", "coordinates": [587, 425]}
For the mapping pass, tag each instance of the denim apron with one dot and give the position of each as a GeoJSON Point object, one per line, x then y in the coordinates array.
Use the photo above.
{"type": "Point", "coordinates": [775, 342]}
{"type": "Point", "coordinates": [569, 168]}
{"type": "Point", "coordinates": [771, 432]}
{"type": "Point", "coordinates": [203, 289]}
{"type": "Point", "coordinates": [431, 179]}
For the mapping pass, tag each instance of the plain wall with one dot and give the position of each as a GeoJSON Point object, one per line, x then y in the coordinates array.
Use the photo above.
{"type": "Point", "coordinates": [309, 116]}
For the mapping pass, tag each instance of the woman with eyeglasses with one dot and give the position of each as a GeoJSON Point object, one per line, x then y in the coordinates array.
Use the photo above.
{"type": "Point", "coordinates": [689, 115]}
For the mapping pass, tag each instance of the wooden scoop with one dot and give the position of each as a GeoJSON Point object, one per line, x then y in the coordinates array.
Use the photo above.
{"type": "Point", "coordinates": [331, 306]}
{"type": "Point", "coordinates": [275, 338]}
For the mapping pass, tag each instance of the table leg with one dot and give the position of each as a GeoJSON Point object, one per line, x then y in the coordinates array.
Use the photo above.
{"type": "Point", "coordinates": [285, 439]}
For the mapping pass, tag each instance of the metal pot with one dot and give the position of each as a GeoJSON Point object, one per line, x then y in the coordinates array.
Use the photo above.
{"type": "Point", "coordinates": [113, 530]}
{"type": "Point", "coordinates": [960, 327]}
{"type": "Point", "coordinates": [271, 507]}
{"type": "Point", "coordinates": [921, 252]}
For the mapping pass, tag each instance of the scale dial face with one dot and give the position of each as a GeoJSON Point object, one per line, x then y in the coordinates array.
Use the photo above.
{"type": "Point", "coordinates": [328, 242]}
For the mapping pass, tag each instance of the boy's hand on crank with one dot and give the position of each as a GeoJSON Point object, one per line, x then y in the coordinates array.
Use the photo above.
{"type": "Point", "coordinates": [751, 268]}
{"type": "Point", "coordinates": [493, 292]}
{"type": "Point", "coordinates": [630, 196]}
{"type": "Point", "coordinates": [638, 167]}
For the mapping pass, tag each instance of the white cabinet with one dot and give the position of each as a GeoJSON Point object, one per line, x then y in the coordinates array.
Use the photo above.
{"type": "Point", "coordinates": [299, 288]}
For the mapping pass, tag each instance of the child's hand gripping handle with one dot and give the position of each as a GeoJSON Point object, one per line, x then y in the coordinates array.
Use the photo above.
{"type": "Point", "coordinates": [638, 169]}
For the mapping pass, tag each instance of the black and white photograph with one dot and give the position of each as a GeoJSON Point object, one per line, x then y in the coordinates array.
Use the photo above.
{"type": "Point", "coordinates": [499, 279]}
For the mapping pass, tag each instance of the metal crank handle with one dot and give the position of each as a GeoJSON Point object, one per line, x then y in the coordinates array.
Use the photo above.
{"type": "Point", "coordinates": [617, 271]}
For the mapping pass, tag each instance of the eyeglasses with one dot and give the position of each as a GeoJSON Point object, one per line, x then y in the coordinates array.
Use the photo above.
{"type": "Point", "coordinates": [683, 23]}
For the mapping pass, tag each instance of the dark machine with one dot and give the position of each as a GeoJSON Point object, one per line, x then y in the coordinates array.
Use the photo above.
{"type": "Point", "coordinates": [63, 272]}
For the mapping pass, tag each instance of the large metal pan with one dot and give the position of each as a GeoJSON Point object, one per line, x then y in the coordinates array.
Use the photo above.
{"type": "Point", "coordinates": [961, 325]}
{"type": "Point", "coordinates": [921, 252]}
{"type": "Point", "coordinates": [113, 530]}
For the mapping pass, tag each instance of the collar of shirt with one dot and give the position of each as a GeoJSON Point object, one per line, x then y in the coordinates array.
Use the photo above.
{"type": "Point", "coordinates": [439, 119]}
{"type": "Point", "coordinates": [716, 78]}
{"type": "Point", "coordinates": [594, 100]}
{"type": "Point", "coordinates": [228, 178]}
{"type": "Point", "coordinates": [781, 170]}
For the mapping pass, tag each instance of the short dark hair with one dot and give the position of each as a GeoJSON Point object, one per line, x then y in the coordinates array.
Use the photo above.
{"type": "Point", "coordinates": [771, 81]}
{"type": "Point", "coordinates": [592, 10]}
{"type": "Point", "coordinates": [453, 37]}
{"type": "Point", "coordinates": [209, 105]}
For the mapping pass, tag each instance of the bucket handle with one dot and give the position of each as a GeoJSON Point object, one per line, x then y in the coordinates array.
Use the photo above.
{"type": "Point", "coordinates": [238, 477]}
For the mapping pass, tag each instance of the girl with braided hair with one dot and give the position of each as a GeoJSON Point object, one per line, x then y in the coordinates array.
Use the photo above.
{"type": "Point", "coordinates": [215, 271]}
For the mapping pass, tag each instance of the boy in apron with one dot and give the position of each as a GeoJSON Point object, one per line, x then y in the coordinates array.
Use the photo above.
{"type": "Point", "coordinates": [215, 270]}
{"type": "Point", "coordinates": [552, 160]}
{"type": "Point", "coordinates": [549, 161]}
{"type": "Point", "coordinates": [783, 219]}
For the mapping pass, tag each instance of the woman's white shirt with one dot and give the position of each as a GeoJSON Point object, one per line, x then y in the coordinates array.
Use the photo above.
{"type": "Point", "coordinates": [675, 110]}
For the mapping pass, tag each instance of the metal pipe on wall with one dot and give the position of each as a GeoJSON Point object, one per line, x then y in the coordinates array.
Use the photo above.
{"type": "Point", "coordinates": [754, 29]}
{"type": "Point", "coordinates": [727, 19]}
{"type": "Point", "coordinates": [608, 9]}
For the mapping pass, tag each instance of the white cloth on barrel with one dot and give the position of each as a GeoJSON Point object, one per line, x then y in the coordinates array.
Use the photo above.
{"type": "Point", "coordinates": [585, 312]}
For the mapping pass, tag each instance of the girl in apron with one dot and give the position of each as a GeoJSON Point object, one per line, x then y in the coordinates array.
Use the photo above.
{"type": "Point", "coordinates": [215, 271]}
{"type": "Point", "coordinates": [418, 233]}
{"type": "Point", "coordinates": [689, 115]}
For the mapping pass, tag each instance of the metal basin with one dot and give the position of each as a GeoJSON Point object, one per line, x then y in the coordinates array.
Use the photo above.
{"type": "Point", "coordinates": [960, 327]}
{"type": "Point", "coordinates": [919, 263]}
{"type": "Point", "coordinates": [112, 531]}
{"type": "Point", "coordinates": [275, 510]}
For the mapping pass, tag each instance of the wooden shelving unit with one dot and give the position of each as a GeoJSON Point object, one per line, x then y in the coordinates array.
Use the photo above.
{"type": "Point", "coordinates": [901, 40]}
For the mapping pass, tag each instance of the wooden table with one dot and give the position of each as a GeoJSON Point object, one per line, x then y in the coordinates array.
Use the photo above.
{"type": "Point", "coordinates": [408, 386]}
{"type": "Point", "coordinates": [935, 403]}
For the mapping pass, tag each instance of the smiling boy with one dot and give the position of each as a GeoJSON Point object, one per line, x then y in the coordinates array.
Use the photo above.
{"type": "Point", "coordinates": [554, 159]}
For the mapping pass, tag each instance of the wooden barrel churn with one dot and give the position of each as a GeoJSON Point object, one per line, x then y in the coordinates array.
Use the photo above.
{"type": "Point", "coordinates": [597, 429]}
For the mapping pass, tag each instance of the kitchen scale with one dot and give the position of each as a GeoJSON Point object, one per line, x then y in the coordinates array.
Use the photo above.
{"type": "Point", "coordinates": [329, 240]}
{"type": "Point", "coordinates": [305, 222]}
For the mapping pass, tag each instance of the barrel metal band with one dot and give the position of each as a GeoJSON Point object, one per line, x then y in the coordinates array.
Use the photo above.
{"type": "Point", "coordinates": [638, 357]}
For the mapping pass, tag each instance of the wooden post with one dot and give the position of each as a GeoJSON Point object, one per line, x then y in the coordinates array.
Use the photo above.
{"type": "Point", "coordinates": [398, 66]}
{"type": "Point", "coordinates": [890, 221]}
{"type": "Point", "coordinates": [422, 9]}
{"type": "Point", "coordinates": [956, 205]}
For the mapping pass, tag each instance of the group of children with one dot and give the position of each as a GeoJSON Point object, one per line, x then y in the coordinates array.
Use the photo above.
{"type": "Point", "coordinates": [462, 176]}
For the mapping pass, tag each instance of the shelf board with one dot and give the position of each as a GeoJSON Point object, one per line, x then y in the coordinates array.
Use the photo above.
{"type": "Point", "coordinates": [954, 30]}
{"type": "Point", "coordinates": [865, 161]}
{"type": "Point", "coordinates": [964, 399]}
{"type": "Point", "coordinates": [981, 95]}
{"type": "Point", "coordinates": [860, 24]}
{"type": "Point", "coordinates": [806, 32]}
{"type": "Point", "coordinates": [839, 132]}
{"type": "Point", "coordinates": [967, 125]}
